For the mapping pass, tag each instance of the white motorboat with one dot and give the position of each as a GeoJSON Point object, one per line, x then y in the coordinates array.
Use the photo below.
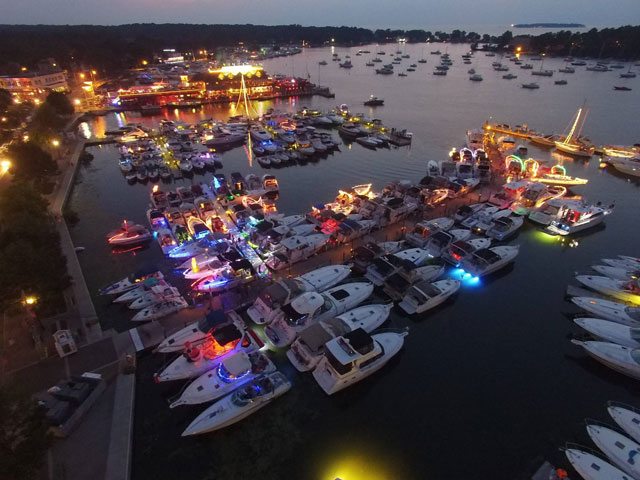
{"type": "Point", "coordinates": [160, 309]}
{"type": "Point", "coordinates": [295, 249]}
{"type": "Point", "coordinates": [465, 211]}
{"type": "Point", "coordinates": [460, 250]}
{"type": "Point", "coordinates": [140, 290]}
{"type": "Point", "coordinates": [240, 404]}
{"type": "Point", "coordinates": [627, 417]}
{"type": "Point", "coordinates": [307, 350]}
{"type": "Point", "coordinates": [622, 262]}
{"type": "Point", "coordinates": [553, 210]}
{"type": "Point", "coordinates": [489, 260]}
{"type": "Point", "coordinates": [128, 235]}
{"type": "Point", "coordinates": [505, 227]}
{"type": "Point", "coordinates": [482, 221]}
{"type": "Point", "coordinates": [259, 134]}
{"type": "Point", "coordinates": [620, 449]}
{"type": "Point", "coordinates": [617, 273]}
{"type": "Point", "coordinates": [365, 254]}
{"type": "Point", "coordinates": [132, 281]}
{"type": "Point", "coordinates": [616, 312]}
{"type": "Point", "coordinates": [426, 295]}
{"type": "Point", "coordinates": [578, 219]}
{"type": "Point", "coordinates": [591, 467]}
{"type": "Point", "coordinates": [609, 331]}
{"type": "Point", "coordinates": [202, 356]}
{"type": "Point", "coordinates": [199, 332]}
{"type": "Point", "coordinates": [535, 195]}
{"type": "Point", "coordinates": [625, 291]}
{"type": "Point", "coordinates": [213, 266]}
{"type": "Point", "coordinates": [199, 261]}
{"type": "Point", "coordinates": [617, 357]}
{"type": "Point", "coordinates": [312, 307]}
{"type": "Point", "coordinates": [230, 374]}
{"type": "Point", "coordinates": [423, 230]}
{"type": "Point", "coordinates": [156, 295]}
{"type": "Point", "coordinates": [275, 296]}
{"type": "Point", "coordinates": [354, 356]}
{"type": "Point", "coordinates": [440, 241]}
{"type": "Point", "coordinates": [385, 266]}
{"type": "Point", "coordinates": [399, 283]}
{"type": "Point", "coordinates": [191, 249]}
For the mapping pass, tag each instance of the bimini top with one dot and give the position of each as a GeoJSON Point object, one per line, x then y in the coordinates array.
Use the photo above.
{"type": "Point", "coordinates": [350, 346]}
{"type": "Point", "coordinates": [211, 320]}
{"type": "Point", "coordinates": [226, 334]}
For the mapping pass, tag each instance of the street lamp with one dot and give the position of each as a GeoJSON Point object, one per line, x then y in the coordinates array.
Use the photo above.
{"type": "Point", "coordinates": [55, 142]}
{"type": "Point", "coordinates": [31, 300]}
{"type": "Point", "coordinates": [5, 166]}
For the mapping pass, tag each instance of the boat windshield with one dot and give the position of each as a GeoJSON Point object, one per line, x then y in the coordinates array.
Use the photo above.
{"type": "Point", "coordinates": [422, 230]}
{"type": "Point", "coordinates": [440, 239]}
{"type": "Point", "coordinates": [460, 249]}
{"type": "Point", "coordinates": [248, 394]}
{"type": "Point", "coordinates": [292, 316]}
{"type": "Point", "coordinates": [503, 224]}
{"type": "Point", "coordinates": [339, 367]}
{"type": "Point", "coordinates": [276, 295]}
{"type": "Point", "coordinates": [633, 312]}
{"type": "Point", "coordinates": [484, 257]}
{"type": "Point", "coordinates": [551, 210]}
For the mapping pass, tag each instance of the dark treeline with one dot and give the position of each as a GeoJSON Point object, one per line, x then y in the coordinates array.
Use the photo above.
{"type": "Point", "coordinates": [113, 48]}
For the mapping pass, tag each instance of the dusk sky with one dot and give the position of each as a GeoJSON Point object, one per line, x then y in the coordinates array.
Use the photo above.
{"type": "Point", "coordinates": [366, 13]}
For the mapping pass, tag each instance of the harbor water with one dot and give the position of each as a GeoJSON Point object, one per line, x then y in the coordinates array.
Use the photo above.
{"type": "Point", "coordinates": [487, 384]}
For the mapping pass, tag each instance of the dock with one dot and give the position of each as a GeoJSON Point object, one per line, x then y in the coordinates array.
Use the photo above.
{"type": "Point", "coordinates": [526, 134]}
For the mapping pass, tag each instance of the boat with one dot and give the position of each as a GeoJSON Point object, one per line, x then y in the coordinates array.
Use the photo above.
{"type": "Point", "coordinates": [458, 251]}
{"type": "Point", "coordinates": [627, 417]}
{"type": "Point", "coordinates": [399, 283]}
{"type": "Point", "coordinates": [535, 195]}
{"type": "Point", "coordinates": [346, 64]}
{"type": "Point", "coordinates": [609, 331]}
{"type": "Point", "coordinates": [547, 141]}
{"type": "Point", "coordinates": [591, 467]}
{"type": "Point", "coordinates": [130, 282]}
{"type": "Point", "coordinates": [280, 293]}
{"type": "Point", "coordinates": [306, 351]}
{"type": "Point", "coordinates": [312, 307]}
{"type": "Point", "coordinates": [609, 310]}
{"type": "Point", "coordinates": [426, 295]}
{"type": "Point", "coordinates": [129, 234]}
{"type": "Point", "coordinates": [530, 86]}
{"type": "Point", "coordinates": [553, 209]}
{"type": "Point", "coordinates": [159, 310]}
{"type": "Point", "coordinates": [476, 77]}
{"type": "Point", "coordinates": [625, 291]}
{"type": "Point", "coordinates": [485, 219]}
{"type": "Point", "coordinates": [489, 260]}
{"type": "Point", "coordinates": [369, 142]}
{"type": "Point", "coordinates": [259, 134]}
{"type": "Point", "coordinates": [211, 266]}
{"type": "Point", "coordinates": [557, 175]}
{"type": "Point", "coordinates": [621, 88]}
{"type": "Point", "coordinates": [238, 271]}
{"type": "Point", "coordinates": [240, 404]}
{"type": "Point", "coordinates": [504, 227]}
{"type": "Point", "coordinates": [364, 255]}
{"type": "Point", "coordinates": [354, 356]}
{"type": "Point", "coordinates": [623, 262]}
{"type": "Point", "coordinates": [617, 357]}
{"type": "Point", "coordinates": [617, 273]}
{"type": "Point", "coordinates": [295, 249]}
{"type": "Point", "coordinates": [421, 233]}
{"type": "Point", "coordinates": [230, 374]}
{"type": "Point", "coordinates": [560, 82]}
{"type": "Point", "coordinates": [385, 266]}
{"type": "Point", "coordinates": [374, 101]}
{"type": "Point", "coordinates": [204, 355]}
{"type": "Point", "coordinates": [579, 218]}
{"type": "Point", "coordinates": [157, 294]}
{"type": "Point", "coordinates": [199, 332]}
{"type": "Point", "coordinates": [571, 144]}
{"type": "Point", "coordinates": [207, 244]}
{"type": "Point", "coordinates": [322, 62]}
{"type": "Point", "coordinates": [509, 76]}
{"type": "Point", "coordinates": [440, 241]}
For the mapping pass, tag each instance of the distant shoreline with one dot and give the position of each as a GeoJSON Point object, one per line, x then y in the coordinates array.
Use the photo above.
{"type": "Point", "coordinates": [548, 25]}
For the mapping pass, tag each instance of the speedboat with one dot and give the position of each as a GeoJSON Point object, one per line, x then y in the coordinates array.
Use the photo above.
{"type": "Point", "coordinates": [312, 307]}
{"type": "Point", "coordinates": [199, 331]}
{"type": "Point", "coordinates": [240, 404]}
{"type": "Point", "coordinates": [128, 235]}
{"type": "Point", "coordinates": [489, 260]}
{"type": "Point", "coordinates": [617, 273]}
{"type": "Point", "coordinates": [259, 134]}
{"type": "Point", "coordinates": [623, 262]}
{"type": "Point", "coordinates": [505, 227]}
{"type": "Point", "coordinates": [212, 265]}
{"type": "Point", "coordinates": [237, 272]}
{"type": "Point", "coordinates": [426, 295]}
{"type": "Point", "coordinates": [486, 219]}
{"type": "Point", "coordinates": [399, 283]}
{"type": "Point", "coordinates": [552, 210]}
{"type": "Point", "coordinates": [206, 244]}
{"type": "Point", "coordinates": [627, 417]}
{"type": "Point", "coordinates": [140, 290]}
{"type": "Point", "coordinates": [295, 249]}
{"type": "Point", "coordinates": [279, 294]}
{"type": "Point", "coordinates": [625, 291]}
{"type": "Point", "coordinates": [230, 374]}
{"type": "Point", "coordinates": [159, 310]}
{"type": "Point", "coordinates": [535, 195]}
{"type": "Point", "coordinates": [611, 331]}
{"type": "Point", "coordinates": [591, 467]}
{"type": "Point", "coordinates": [422, 231]}
{"type": "Point", "coordinates": [202, 356]}
{"type": "Point", "coordinates": [306, 351]}
{"type": "Point", "coordinates": [614, 311]}
{"type": "Point", "coordinates": [578, 219]}
{"type": "Point", "coordinates": [156, 295]}
{"type": "Point", "coordinates": [465, 211]}
{"type": "Point", "coordinates": [199, 261]}
{"type": "Point", "coordinates": [364, 255]}
{"type": "Point", "coordinates": [385, 266]}
{"type": "Point", "coordinates": [440, 241]}
{"type": "Point", "coordinates": [617, 357]}
{"type": "Point", "coordinates": [354, 356]}
{"type": "Point", "coordinates": [460, 250]}
{"type": "Point", "coordinates": [132, 281]}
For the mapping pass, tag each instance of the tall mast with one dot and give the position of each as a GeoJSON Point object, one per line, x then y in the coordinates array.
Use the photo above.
{"type": "Point", "coordinates": [573, 127]}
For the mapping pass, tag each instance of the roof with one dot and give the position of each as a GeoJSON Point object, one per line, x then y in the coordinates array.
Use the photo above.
{"type": "Point", "coordinates": [226, 334]}
{"type": "Point", "coordinates": [350, 346]}
{"type": "Point", "coordinates": [315, 337]}
{"type": "Point", "coordinates": [307, 302]}
{"type": "Point", "coordinates": [237, 363]}
{"type": "Point", "coordinates": [487, 255]}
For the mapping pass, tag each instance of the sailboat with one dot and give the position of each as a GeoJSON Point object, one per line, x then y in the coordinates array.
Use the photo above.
{"type": "Point", "coordinates": [572, 144]}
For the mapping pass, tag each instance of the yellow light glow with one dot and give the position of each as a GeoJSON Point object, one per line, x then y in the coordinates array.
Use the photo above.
{"type": "Point", "coordinates": [36, 101]}
{"type": "Point", "coordinates": [144, 62]}
{"type": "Point", "coordinates": [5, 165]}
{"type": "Point", "coordinates": [238, 69]}
{"type": "Point", "coordinates": [55, 142]}
{"type": "Point", "coordinates": [25, 138]}
{"type": "Point", "coordinates": [77, 101]}
{"type": "Point", "coordinates": [519, 49]}
{"type": "Point", "coordinates": [31, 300]}
{"type": "Point", "coordinates": [82, 75]}
{"type": "Point", "coordinates": [93, 72]}
{"type": "Point", "coordinates": [24, 69]}
{"type": "Point", "coordinates": [355, 467]}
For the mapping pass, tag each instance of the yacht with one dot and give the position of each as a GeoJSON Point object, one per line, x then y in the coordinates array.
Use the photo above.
{"type": "Point", "coordinates": [399, 283]}
{"type": "Point", "coordinates": [505, 227]}
{"type": "Point", "coordinates": [485, 220]}
{"type": "Point", "coordinates": [614, 311]}
{"type": "Point", "coordinates": [611, 331]}
{"type": "Point", "coordinates": [625, 291]}
{"type": "Point", "coordinates": [159, 310]}
{"type": "Point", "coordinates": [156, 295]}
{"type": "Point", "coordinates": [571, 144]}
{"type": "Point", "coordinates": [579, 218]}
{"type": "Point", "coordinates": [306, 351]}
{"type": "Point", "coordinates": [617, 357]}
{"type": "Point", "coordinates": [552, 210]}
{"type": "Point", "coordinates": [426, 295]}
{"type": "Point", "coordinates": [312, 307]}
{"type": "Point", "coordinates": [354, 356]}
{"type": "Point", "coordinates": [422, 231]}
{"type": "Point", "coordinates": [141, 289]}
{"type": "Point", "coordinates": [617, 273]}
{"type": "Point", "coordinates": [230, 374]}
{"type": "Point", "coordinates": [237, 272]}
{"type": "Point", "coordinates": [439, 242]}
{"type": "Point", "coordinates": [132, 281]}
{"type": "Point", "coordinates": [476, 77]}
{"type": "Point", "coordinates": [365, 254]}
{"type": "Point", "coordinates": [259, 134]}
{"type": "Point", "coordinates": [129, 234]}
{"type": "Point", "coordinates": [385, 266]}
{"type": "Point", "coordinates": [535, 195]}
{"type": "Point", "coordinates": [295, 249]}
{"type": "Point", "coordinates": [191, 249]}
{"type": "Point", "coordinates": [214, 266]}
{"type": "Point", "coordinates": [240, 404]}
{"type": "Point", "coordinates": [280, 293]}
{"type": "Point", "coordinates": [458, 251]}
{"type": "Point", "coordinates": [591, 467]}
{"type": "Point", "coordinates": [489, 260]}
{"type": "Point", "coordinates": [623, 262]}
{"type": "Point", "coordinates": [627, 418]}
{"type": "Point", "coordinates": [465, 211]}
{"type": "Point", "coordinates": [531, 86]}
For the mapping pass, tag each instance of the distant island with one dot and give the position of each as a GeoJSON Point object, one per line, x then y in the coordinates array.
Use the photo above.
{"type": "Point", "coordinates": [549, 25]}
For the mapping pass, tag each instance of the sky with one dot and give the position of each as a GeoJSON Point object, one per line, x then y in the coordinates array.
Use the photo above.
{"type": "Point", "coordinates": [425, 14]}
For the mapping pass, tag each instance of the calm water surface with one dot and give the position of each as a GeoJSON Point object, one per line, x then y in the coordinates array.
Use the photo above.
{"type": "Point", "coordinates": [487, 385]}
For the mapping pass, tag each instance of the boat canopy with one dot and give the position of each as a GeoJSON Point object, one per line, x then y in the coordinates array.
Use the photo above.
{"type": "Point", "coordinates": [276, 294]}
{"type": "Point", "coordinates": [315, 337]}
{"type": "Point", "coordinates": [425, 291]}
{"type": "Point", "coordinates": [237, 364]}
{"type": "Point", "coordinates": [487, 256]}
{"type": "Point", "coordinates": [211, 320]}
{"type": "Point", "coordinates": [226, 334]}
{"type": "Point", "coordinates": [441, 239]}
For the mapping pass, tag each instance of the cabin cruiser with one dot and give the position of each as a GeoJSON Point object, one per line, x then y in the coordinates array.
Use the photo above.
{"type": "Point", "coordinates": [128, 235]}
{"type": "Point", "coordinates": [616, 273]}
{"type": "Point", "coordinates": [422, 231]}
{"type": "Point", "coordinates": [485, 219]}
{"type": "Point", "coordinates": [213, 265]}
{"type": "Point", "coordinates": [400, 282]}
{"type": "Point", "coordinates": [132, 281]}
{"type": "Point", "coordinates": [510, 193]}
{"type": "Point", "coordinates": [458, 251]}
{"type": "Point", "coordinates": [312, 307]}
{"type": "Point", "coordinates": [440, 241]}
{"type": "Point", "coordinates": [240, 404]}
{"type": "Point", "coordinates": [558, 176]}
{"type": "Point", "coordinates": [426, 295]}
{"type": "Point", "coordinates": [614, 311]}
{"type": "Point", "coordinates": [579, 218]}
{"type": "Point", "coordinates": [365, 254]}
{"type": "Point", "coordinates": [489, 260]}
{"type": "Point", "coordinates": [625, 291]}
{"type": "Point", "coordinates": [611, 331]}
{"type": "Point", "coordinates": [295, 249]}
{"type": "Point", "coordinates": [382, 268]}
{"type": "Point", "coordinates": [280, 293]}
{"type": "Point", "coordinates": [306, 351]}
{"type": "Point", "coordinates": [259, 134]}
{"type": "Point", "coordinates": [465, 211]}
{"type": "Point", "coordinates": [206, 244]}
{"type": "Point", "coordinates": [156, 295]}
{"type": "Point", "coordinates": [160, 309]}
{"type": "Point", "coordinates": [623, 262]}
{"type": "Point", "coordinates": [553, 210]}
{"type": "Point", "coordinates": [534, 196]}
{"type": "Point", "coordinates": [354, 356]}
{"type": "Point", "coordinates": [591, 467]}
{"type": "Point", "coordinates": [627, 418]}
{"type": "Point", "coordinates": [617, 357]}
{"type": "Point", "coordinates": [230, 374]}
{"type": "Point", "coordinates": [505, 227]}
{"type": "Point", "coordinates": [238, 271]}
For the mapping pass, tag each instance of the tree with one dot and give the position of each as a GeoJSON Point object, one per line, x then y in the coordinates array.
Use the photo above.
{"type": "Point", "coordinates": [60, 103]}
{"type": "Point", "coordinates": [24, 437]}
{"type": "Point", "coordinates": [30, 162]}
